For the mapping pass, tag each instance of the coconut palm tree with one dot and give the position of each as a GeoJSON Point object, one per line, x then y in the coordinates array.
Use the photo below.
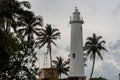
{"type": "Point", "coordinates": [29, 25]}
{"type": "Point", "coordinates": [48, 37]}
{"type": "Point", "coordinates": [61, 65]}
{"type": "Point", "coordinates": [99, 78]}
{"type": "Point", "coordinates": [93, 47]}
{"type": "Point", "coordinates": [9, 11]}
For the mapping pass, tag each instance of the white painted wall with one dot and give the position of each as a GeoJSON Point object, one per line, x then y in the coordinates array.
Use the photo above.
{"type": "Point", "coordinates": [76, 46]}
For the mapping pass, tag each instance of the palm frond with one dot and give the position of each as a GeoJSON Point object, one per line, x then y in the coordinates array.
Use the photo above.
{"type": "Point", "coordinates": [21, 30]}
{"type": "Point", "coordinates": [61, 65]}
{"type": "Point", "coordinates": [102, 42]}
{"type": "Point", "coordinates": [54, 43]}
{"type": "Point", "coordinates": [25, 4]}
{"type": "Point", "coordinates": [90, 39]}
{"type": "Point", "coordinates": [55, 30]}
{"type": "Point", "coordinates": [35, 32]}
{"type": "Point", "coordinates": [103, 48]}
{"type": "Point", "coordinates": [20, 23]}
{"type": "Point", "coordinates": [98, 38]}
{"type": "Point", "coordinates": [42, 44]}
{"type": "Point", "coordinates": [54, 62]}
{"type": "Point", "coordinates": [100, 55]}
{"type": "Point", "coordinates": [37, 24]}
{"type": "Point", "coordinates": [57, 34]}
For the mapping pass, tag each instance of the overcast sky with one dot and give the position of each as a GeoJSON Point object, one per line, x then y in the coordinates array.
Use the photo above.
{"type": "Point", "coordinates": [100, 16]}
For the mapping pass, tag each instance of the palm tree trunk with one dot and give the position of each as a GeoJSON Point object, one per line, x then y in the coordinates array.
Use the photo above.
{"type": "Point", "coordinates": [28, 40]}
{"type": "Point", "coordinates": [50, 59]}
{"type": "Point", "coordinates": [7, 27]}
{"type": "Point", "coordinates": [49, 47]}
{"type": "Point", "coordinates": [92, 67]}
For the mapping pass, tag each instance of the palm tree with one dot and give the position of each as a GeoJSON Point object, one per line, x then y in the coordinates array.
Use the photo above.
{"type": "Point", "coordinates": [61, 65]}
{"type": "Point", "coordinates": [29, 25]}
{"type": "Point", "coordinates": [93, 47]}
{"type": "Point", "coordinates": [99, 78]}
{"type": "Point", "coordinates": [48, 36]}
{"type": "Point", "coordinates": [9, 11]}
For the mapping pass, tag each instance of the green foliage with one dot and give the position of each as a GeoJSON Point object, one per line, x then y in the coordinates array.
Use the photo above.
{"type": "Point", "coordinates": [28, 58]}
{"type": "Point", "coordinates": [29, 25]}
{"type": "Point", "coordinates": [18, 54]}
{"type": "Point", "coordinates": [61, 65]}
{"type": "Point", "coordinates": [17, 60]}
{"type": "Point", "coordinates": [99, 78]}
{"type": "Point", "coordinates": [10, 10]}
{"type": "Point", "coordinates": [8, 48]}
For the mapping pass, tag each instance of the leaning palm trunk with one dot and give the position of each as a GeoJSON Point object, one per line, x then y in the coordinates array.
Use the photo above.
{"type": "Point", "coordinates": [92, 67]}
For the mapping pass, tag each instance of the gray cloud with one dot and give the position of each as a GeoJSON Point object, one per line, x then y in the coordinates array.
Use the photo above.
{"type": "Point", "coordinates": [107, 70]}
{"type": "Point", "coordinates": [115, 46]}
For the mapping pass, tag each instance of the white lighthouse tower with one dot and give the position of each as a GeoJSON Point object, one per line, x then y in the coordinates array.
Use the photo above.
{"type": "Point", "coordinates": [76, 48]}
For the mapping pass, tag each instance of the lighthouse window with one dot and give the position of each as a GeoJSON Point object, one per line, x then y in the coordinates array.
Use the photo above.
{"type": "Point", "coordinates": [73, 55]}
{"type": "Point", "coordinates": [81, 28]}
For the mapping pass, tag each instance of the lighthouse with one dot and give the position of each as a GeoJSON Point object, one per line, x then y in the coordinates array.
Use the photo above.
{"type": "Point", "coordinates": [76, 48]}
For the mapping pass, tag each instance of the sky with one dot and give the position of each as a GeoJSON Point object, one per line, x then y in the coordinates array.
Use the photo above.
{"type": "Point", "coordinates": [100, 17]}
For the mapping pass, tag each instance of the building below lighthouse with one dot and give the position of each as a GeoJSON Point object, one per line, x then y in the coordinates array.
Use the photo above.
{"type": "Point", "coordinates": [76, 48]}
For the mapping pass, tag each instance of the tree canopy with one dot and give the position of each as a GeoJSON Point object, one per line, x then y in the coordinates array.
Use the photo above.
{"type": "Point", "coordinates": [93, 47]}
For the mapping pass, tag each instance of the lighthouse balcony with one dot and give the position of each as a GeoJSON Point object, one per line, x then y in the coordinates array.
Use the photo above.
{"type": "Point", "coordinates": [77, 21]}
